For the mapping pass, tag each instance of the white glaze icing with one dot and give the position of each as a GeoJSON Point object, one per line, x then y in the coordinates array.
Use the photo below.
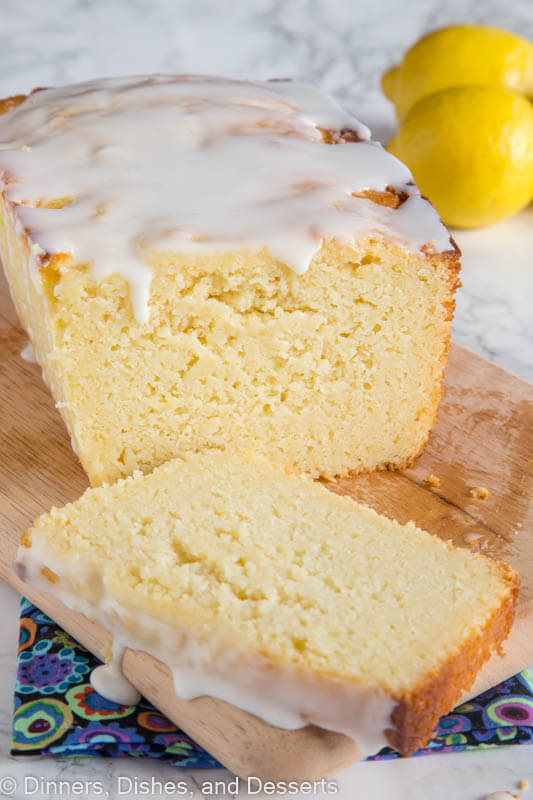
{"type": "Point", "coordinates": [473, 537]}
{"type": "Point", "coordinates": [190, 163]}
{"type": "Point", "coordinates": [109, 681]}
{"type": "Point", "coordinates": [278, 694]}
{"type": "Point", "coordinates": [28, 354]}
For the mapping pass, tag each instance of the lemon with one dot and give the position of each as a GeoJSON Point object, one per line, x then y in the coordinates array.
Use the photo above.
{"type": "Point", "coordinates": [457, 56]}
{"type": "Point", "coordinates": [470, 149]}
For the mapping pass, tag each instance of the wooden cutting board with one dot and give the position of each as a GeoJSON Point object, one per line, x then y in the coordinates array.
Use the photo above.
{"type": "Point", "coordinates": [484, 437]}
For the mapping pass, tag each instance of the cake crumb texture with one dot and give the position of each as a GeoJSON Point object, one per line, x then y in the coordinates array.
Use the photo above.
{"type": "Point", "coordinates": [337, 370]}
{"type": "Point", "coordinates": [273, 564]}
{"type": "Point", "coordinates": [479, 493]}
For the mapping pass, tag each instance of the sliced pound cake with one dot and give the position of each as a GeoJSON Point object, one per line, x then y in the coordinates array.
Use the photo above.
{"type": "Point", "coordinates": [262, 588]}
{"type": "Point", "coordinates": [203, 262]}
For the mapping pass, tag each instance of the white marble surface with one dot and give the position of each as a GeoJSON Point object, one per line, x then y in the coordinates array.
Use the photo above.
{"type": "Point", "coordinates": [342, 45]}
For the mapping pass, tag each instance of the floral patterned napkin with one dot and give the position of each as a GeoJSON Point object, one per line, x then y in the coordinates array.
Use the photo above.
{"type": "Point", "coordinates": [56, 710]}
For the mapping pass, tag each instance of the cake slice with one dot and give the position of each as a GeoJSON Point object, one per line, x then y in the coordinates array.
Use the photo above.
{"type": "Point", "coordinates": [262, 588]}
{"type": "Point", "coordinates": [202, 262]}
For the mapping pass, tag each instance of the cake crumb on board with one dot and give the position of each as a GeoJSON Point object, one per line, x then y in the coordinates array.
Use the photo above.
{"type": "Point", "coordinates": [432, 481]}
{"type": "Point", "coordinates": [479, 493]}
{"type": "Point", "coordinates": [501, 796]}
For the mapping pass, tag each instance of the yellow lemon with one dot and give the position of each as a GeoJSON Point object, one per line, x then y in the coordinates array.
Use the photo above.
{"type": "Point", "coordinates": [457, 56]}
{"type": "Point", "coordinates": [470, 149]}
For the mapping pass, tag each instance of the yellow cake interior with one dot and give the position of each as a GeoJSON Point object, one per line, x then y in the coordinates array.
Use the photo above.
{"type": "Point", "coordinates": [270, 563]}
{"type": "Point", "coordinates": [335, 370]}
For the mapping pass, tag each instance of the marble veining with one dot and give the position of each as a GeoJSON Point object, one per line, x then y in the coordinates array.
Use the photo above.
{"type": "Point", "coordinates": [342, 46]}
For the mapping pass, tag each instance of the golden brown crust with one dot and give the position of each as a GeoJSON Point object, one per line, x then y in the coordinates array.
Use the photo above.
{"type": "Point", "coordinates": [11, 102]}
{"type": "Point", "coordinates": [414, 718]}
{"type": "Point", "coordinates": [337, 136]}
{"type": "Point", "coordinates": [390, 197]}
{"type": "Point", "coordinates": [7, 103]}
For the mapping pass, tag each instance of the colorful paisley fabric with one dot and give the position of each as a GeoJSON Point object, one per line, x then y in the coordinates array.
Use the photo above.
{"type": "Point", "coordinates": [58, 712]}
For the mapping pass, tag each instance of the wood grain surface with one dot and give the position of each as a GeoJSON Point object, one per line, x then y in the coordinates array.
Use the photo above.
{"type": "Point", "coordinates": [484, 437]}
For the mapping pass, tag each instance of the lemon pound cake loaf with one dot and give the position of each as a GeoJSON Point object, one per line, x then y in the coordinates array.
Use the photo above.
{"type": "Point", "coordinates": [205, 262]}
{"type": "Point", "coordinates": [262, 588]}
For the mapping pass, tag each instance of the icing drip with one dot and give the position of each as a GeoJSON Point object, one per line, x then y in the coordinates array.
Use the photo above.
{"type": "Point", "coordinates": [110, 170]}
{"type": "Point", "coordinates": [108, 680]}
{"type": "Point", "coordinates": [28, 354]}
